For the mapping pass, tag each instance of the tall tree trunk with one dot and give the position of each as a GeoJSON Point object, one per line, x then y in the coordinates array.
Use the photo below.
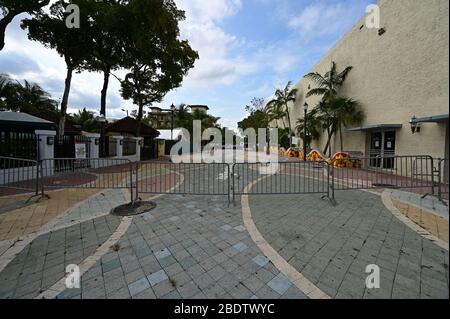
{"type": "Point", "coordinates": [325, 150]}
{"type": "Point", "coordinates": [3, 24]}
{"type": "Point", "coordinates": [289, 124]}
{"type": "Point", "coordinates": [65, 101]}
{"type": "Point", "coordinates": [341, 139]}
{"type": "Point", "coordinates": [139, 117]}
{"type": "Point", "coordinates": [330, 149]}
{"type": "Point", "coordinates": [104, 93]}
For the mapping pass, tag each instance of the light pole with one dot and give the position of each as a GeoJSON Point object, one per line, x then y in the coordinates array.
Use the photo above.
{"type": "Point", "coordinates": [305, 107]}
{"type": "Point", "coordinates": [172, 112]}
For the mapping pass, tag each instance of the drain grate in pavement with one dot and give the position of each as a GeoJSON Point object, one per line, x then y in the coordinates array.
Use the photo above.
{"type": "Point", "coordinates": [132, 209]}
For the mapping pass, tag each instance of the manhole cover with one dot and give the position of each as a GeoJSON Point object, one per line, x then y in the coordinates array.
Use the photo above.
{"type": "Point", "coordinates": [133, 209]}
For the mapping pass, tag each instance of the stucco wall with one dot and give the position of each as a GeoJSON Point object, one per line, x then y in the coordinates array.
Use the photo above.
{"type": "Point", "coordinates": [397, 75]}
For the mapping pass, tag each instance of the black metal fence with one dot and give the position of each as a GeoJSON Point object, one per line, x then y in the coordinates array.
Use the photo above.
{"type": "Point", "coordinates": [18, 145]}
{"type": "Point", "coordinates": [65, 146]}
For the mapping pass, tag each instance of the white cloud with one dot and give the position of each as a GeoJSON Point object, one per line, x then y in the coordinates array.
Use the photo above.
{"type": "Point", "coordinates": [323, 18]}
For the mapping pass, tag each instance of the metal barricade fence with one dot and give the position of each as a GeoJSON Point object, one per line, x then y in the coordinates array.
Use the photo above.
{"type": "Point", "coordinates": [18, 175]}
{"type": "Point", "coordinates": [443, 179]}
{"type": "Point", "coordinates": [406, 172]}
{"type": "Point", "coordinates": [182, 178]}
{"type": "Point", "coordinates": [104, 173]}
{"type": "Point", "coordinates": [418, 173]}
{"type": "Point", "coordinates": [281, 178]}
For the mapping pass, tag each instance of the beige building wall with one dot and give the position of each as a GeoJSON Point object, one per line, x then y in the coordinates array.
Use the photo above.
{"type": "Point", "coordinates": [402, 73]}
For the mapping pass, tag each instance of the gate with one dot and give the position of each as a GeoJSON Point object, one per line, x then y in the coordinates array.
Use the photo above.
{"type": "Point", "coordinates": [65, 146]}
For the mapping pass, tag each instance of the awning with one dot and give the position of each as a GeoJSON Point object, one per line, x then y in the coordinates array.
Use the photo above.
{"type": "Point", "coordinates": [376, 127]}
{"type": "Point", "coordinates": [431, 119]}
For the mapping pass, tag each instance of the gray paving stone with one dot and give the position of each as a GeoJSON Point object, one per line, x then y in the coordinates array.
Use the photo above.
{"type": "Point", "coordinates": [280, 283]}
{"type": "Point", "coordinates": [167, 261]}
{"type": "Point", "coordinates": [163, 253]}
{"type": "Point", "coordinates": [226, 227]}
{"type": "Point", "coordinates": [240, 246]}
{"type": "Point", "coordinates": [111, 265]}
{"type": "Point", "coordinates": [138, 286]}
{"type": "Point", "coordinates": [188, 290]}
{"type": "Point", "coordinates": [260, 260]}
{"type": "Point", "coordinates": [157, 277]}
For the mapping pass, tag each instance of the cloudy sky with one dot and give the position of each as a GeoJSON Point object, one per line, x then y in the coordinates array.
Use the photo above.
{"type": "Point", "coordinates": [247, 49]}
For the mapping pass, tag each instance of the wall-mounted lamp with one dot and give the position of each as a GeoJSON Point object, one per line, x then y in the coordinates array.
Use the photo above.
{"type": "Point", "coordinates": [415, 127]}
{"type": "Point", "coordinates": [97, 141]}
{"type": "Point", "coordinates": [50, 140]}
{"type": "Point", "coordinates": [121, 142]}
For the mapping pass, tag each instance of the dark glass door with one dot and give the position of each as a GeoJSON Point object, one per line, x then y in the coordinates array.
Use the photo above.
{"type": "Point", "coordinates": [376, 140]}
{"type": "Point", "coordinates": [382, 145]}
{"type": "Point", "coordinates": [389, 149]}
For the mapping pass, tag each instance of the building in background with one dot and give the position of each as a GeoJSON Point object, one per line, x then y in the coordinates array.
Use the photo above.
{"type": "Point", "coordinates": [400, 77]}
{"type": "Point", "coordinates": [126, 127]}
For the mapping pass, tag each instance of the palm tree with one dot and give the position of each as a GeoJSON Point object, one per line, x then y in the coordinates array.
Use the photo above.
{"type": "Point", "coordinates": [313, 125]}
{"type": "Point", "coordinates": [335, 113]}
{"type": "Point", "coordinates": [34, 98]}
{"type": "Point", "coordinates": [86, 120]}
{"type": "Point", "coordinates": [276, 112]}
{"type": "Point", "coordinates": [5, 90]}
{"type": "Point", "coordinates": [183, 117]}
{"type": "Point", "coordinates": [347, 113]}
{"type": "Point", "coordinates": [328, 84]}
{"type": "Point", "coordinates": [27, 97]}
{"type": "Point", "coordinates": [282, 98]}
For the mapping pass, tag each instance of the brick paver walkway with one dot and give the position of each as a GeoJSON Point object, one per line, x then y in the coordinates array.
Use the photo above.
{"type": "Point", "coordinates": [198, 247]}
{"type": "Point", "coordinates": [188, 247]}
{"type": "Point", "coordinates": [30, 218]}
{"type": "Point", "coordinates": [331, 246]}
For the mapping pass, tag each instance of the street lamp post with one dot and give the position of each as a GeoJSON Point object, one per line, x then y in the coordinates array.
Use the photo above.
{"type": "Point", "coordinates": [172, 112]}
{"type": "Point", "coordinates": [305, 131]}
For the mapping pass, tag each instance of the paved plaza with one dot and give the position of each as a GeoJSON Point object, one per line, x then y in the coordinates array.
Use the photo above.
{"type": "Point", "coordinates": [273, 246]}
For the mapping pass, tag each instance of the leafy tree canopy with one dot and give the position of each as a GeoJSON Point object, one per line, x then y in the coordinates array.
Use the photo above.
{"type": "Point", "coordinates": [9, 9]}
{"type": "Point", "coordinates": [158, 60]}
